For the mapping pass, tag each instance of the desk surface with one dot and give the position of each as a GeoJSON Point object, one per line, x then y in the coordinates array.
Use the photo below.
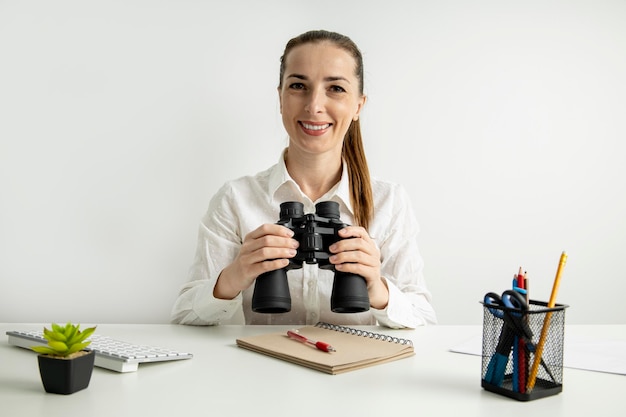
{"type": "Point", "coordinates": [224, 380]}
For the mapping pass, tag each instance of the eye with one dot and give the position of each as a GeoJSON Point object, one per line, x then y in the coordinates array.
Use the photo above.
{"type": "Point", "coordinates": [337, 89]}
{"type": "Point", "coordinates": [296, 86]}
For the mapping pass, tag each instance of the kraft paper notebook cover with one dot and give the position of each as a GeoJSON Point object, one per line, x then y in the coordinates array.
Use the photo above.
{"type": "Point", "coordinates": [356, 349]}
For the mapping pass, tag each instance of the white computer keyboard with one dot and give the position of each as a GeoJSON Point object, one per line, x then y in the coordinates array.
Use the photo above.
{"type": "Point", "coordinates": [112, 354]}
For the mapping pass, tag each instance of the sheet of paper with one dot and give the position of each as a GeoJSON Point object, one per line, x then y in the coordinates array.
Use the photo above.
{"type": "Point", "coordinates": [595, 355]}
{"type": "Point", "coordinates": [600, 355]}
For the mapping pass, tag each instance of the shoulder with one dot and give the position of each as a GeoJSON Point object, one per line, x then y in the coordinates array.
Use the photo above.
{"type": "Point", "coordinates": [246, 183]}
{"type": "Point", "coordinates": [392, 207]}
{"type": "Point", "coordinates": [388, 191]}
{"type": "Point", "coordinates": [246, 189]}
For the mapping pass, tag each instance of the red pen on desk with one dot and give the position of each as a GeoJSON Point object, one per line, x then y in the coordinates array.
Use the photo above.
{"type": "Point", "coordinates": [303, 339]}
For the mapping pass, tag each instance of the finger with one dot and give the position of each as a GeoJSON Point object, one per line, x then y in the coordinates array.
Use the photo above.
{"type": "Point", "coordinates": [259, 239]}
{"type": "Point", "coordinates": [354, 231]}
{"type": "Point", "coordinates": [265, 253]}
{"type": "Point", "coordinates": [351, 244]}
{"type": "Point", "coordinates": [252, 272]}
{"type": "Point", "coordinates": [355, 244]}
{"type": "Point", "coordinates": [355, 257]}
{"type": "Point", "coordinates": [252, 264]}
{"type": "Point", "coordinates": [269, 229]}
{"type": "Point", "coordinates": [271, 265]}
{"type": "Point", "coordinates": [273, 241]}
{"type": "Point", "coordinates": [370, 274]}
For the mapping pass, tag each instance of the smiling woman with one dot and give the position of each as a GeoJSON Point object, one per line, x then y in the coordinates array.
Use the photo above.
{"type": "Point", "coordinates": [321, 98]}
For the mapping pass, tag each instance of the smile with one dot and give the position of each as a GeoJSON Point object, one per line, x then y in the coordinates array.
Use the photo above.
{"type": "Point", "coordinates": [309, 126]}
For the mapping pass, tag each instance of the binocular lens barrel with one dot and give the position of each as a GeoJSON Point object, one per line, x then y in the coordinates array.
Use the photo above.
{"type": "Point", "coordinates": [271, 293]}
{"type": "Point", "coordinates": [349, 294]}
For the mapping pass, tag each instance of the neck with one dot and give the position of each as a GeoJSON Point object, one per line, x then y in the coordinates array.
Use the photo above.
{"type": "Point", "coordinates": [315, 174]}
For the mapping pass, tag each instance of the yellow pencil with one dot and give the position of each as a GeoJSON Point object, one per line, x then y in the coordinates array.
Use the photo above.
{"type": "Point", "coordinates": [546, 323]}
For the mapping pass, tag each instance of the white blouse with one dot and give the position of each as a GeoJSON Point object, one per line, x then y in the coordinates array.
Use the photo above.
{"type": "Point", "coordinates": [242, 205]}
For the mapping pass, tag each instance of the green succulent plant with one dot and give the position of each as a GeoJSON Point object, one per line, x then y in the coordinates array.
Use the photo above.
{"type": "Point", "coordinates": [64, 340]}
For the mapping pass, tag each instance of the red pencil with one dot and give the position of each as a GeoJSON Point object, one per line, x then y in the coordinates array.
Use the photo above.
{"type": "Point", "coordinates": [521, 283]}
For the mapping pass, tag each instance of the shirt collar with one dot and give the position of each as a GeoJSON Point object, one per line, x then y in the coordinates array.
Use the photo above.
{"type": "Point", "coordinates": [280, 179]}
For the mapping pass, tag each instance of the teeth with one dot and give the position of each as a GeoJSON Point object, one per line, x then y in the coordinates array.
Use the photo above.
{"type": "Point", "coordinates": [315, 127]}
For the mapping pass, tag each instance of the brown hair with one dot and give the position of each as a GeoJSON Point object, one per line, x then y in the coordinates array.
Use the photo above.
{"type": "Point", "coordinates": [353, 151]}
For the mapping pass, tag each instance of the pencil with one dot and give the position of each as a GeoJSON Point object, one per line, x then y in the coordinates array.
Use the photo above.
{"type": "Point", "coordinates": [546, 323]}
{"type": "Point", "coordinates": [520, 279]}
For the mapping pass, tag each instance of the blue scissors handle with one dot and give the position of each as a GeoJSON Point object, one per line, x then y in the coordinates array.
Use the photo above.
{"type": "Point", "coordinates": [514, 300]}
{"type": "Point", "coordinates": [493, 299]}
{"type": "Point", "coordinates": [510, 299]}
{"type": "Point", "coordinates": [510, 307]}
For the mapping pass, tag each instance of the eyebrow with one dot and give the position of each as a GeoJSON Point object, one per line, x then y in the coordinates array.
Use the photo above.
{"type": "Point", "coordinates": [327, 79]}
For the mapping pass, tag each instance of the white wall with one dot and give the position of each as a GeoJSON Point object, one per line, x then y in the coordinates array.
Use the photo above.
{"type": "Point", "coordinates": [120, 119]}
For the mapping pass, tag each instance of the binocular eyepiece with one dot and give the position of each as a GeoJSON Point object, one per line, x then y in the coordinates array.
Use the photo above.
{"type": "Point", "coordinates": [315, 234]}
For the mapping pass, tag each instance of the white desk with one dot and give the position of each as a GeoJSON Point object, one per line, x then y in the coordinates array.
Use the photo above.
{"type": "Point", "coordinates": [224, 380]}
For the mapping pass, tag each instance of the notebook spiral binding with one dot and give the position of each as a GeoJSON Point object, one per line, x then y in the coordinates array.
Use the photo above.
{"type": "Point", "coordinates": [364, 333]}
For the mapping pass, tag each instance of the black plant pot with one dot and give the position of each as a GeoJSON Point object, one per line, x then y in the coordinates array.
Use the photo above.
{"type": "Point", "coordinates": [66, 376]}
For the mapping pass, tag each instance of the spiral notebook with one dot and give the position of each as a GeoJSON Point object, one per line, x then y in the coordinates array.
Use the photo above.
{"type": "Point", "coordinates": [355, 349]}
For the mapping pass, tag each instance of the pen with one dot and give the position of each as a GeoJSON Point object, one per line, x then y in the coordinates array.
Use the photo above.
{"type": "Point", "coordinates": [546, 323]}
{"type": "Point", "coordinates": [293, 334]}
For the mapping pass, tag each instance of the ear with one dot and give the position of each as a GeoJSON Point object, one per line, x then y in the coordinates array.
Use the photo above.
{"type": "Point", "coordinates": [360, 105]}
{"type": "Point", "coordinates": [280, 99]}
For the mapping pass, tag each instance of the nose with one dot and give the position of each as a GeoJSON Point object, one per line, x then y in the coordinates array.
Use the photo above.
{"type": "Point", "coordinates": [316, 101]}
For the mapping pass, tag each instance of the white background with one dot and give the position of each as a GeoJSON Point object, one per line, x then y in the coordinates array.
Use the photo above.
{"type": "Point", "coordinates": [119, 120]}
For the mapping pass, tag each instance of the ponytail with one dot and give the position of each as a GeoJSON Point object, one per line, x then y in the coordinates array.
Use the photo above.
{"type": "Point", "coordinates": [361, 196]}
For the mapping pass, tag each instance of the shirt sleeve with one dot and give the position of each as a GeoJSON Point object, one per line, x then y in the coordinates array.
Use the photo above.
{"type": "Point", "coordinates": [218, 244]}
{"type": "Point", "coordinates": [402, 266]}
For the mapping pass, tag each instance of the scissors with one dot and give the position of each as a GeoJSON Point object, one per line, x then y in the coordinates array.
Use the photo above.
{"type": "Point", "coordinates": [511, 307]}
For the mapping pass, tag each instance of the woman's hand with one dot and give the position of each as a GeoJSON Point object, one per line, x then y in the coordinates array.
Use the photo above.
{"type": "Point", "coordinates": [266, 248]}
{"type": "Point", "coordinates": [358, 254]}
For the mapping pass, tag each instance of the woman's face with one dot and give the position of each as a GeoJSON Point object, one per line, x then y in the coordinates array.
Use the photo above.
{"type": "Point", "coordinates": [319, 97]}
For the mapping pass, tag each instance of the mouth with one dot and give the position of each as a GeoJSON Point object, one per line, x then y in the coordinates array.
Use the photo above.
{"type": "Point", "coordinates": [314, 129]}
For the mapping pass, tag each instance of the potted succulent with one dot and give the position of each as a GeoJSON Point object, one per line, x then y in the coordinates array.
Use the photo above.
{"type": "Point", "coordinates": [64, 364]}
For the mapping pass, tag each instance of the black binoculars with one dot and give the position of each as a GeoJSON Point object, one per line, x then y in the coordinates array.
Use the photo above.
{"type": "Point", "coordinates": [315, 234]}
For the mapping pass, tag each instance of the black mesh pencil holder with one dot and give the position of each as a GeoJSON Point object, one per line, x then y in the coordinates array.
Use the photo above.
{"type": "Point", "coordinates": [522, 352]}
